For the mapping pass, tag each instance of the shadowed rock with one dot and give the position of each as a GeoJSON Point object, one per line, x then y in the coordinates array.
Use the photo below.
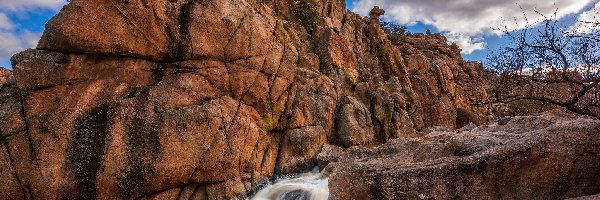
{"type": "Point", "coordinates": [354, 126]}
{"type": "Point", "coordinates": [525, 161]}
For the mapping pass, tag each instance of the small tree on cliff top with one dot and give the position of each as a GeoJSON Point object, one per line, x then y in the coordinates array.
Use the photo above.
{"type": "Point", "coordinates": [550, 63]}
{"type": "Point", "coordinates": [396, 33]}
{"type": "Point", "coordinates": [306, 13]}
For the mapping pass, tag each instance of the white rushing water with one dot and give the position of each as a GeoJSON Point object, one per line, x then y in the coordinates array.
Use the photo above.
{"type": "Point", "coordinates": [307, 186]}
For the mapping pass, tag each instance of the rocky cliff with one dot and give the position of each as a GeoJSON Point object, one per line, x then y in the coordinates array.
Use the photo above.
{"type": "Point", "coordinates": [188, 99]}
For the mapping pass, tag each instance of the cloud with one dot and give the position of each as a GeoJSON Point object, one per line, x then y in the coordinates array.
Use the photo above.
{"type": "Point", "coordinates": [15, 37]}
{"type": "Point", "coordinates": [5, 22]}
{"type": "Point", "coordinates": [22, 5]}
{"type": "Point", "coordinates": [10, 43]}
{"type": "Point", "coordinates": [466, 22]}
{"type": "Point", "coordinates": [588, 22]}
{"type": "Point", "coordinates": [14, 42]}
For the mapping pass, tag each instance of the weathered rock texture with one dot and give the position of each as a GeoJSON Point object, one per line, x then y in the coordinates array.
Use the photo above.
{"type": "Point", "coordinates": [208, 99]}
{"type": "Point", "coordinates": [5, 76]}
{"type": "Point", "coordinates": [592, 197]}
{"type": "Point", "coordinates": [538, 157]}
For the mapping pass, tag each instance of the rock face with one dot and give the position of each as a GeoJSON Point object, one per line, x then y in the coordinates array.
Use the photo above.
{"type": "Point", "coordinates": [354, 126]}
{"type": "Point", "coordinates": [537, 157]}
{"type": "Point", "coordinates": [127, 99]}
{"type": "Point", "coordinates": [5, 76]}
{"type": "Point", "coordinates": [12, 125]}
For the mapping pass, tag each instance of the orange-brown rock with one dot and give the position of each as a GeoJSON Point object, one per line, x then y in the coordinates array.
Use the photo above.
{"type": "Point", "coordinates": [128, 99]}
{"type": "Point", "coordinates": [5, 76]}
{"type": "Point", "coordinates": [354, 126]}
{"type": "Point", "coordinates": [12, 126]}
{"type": "Point", "coordinates": [11, 119]}
{"type": "Point", "coordinates": [299, 149]}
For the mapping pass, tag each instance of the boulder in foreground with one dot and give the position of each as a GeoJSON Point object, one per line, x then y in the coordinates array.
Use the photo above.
{"type": "Point", "coordinates": [537, 157]}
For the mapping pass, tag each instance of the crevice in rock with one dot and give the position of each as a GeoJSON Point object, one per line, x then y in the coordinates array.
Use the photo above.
{"type": "Point", "coordinates": [45, 87]}
{"type": "Point", "coordinates": [135, 57]}
{"type": "Point", "coordinates": [10, 135]}
{"type": "Point", "coordinates": [7, 154]}
{"type": "Point", "coordinates": [238, 28]}
{"type": "Point", "coordinates": [213, 141]}
{"type": "Point", "coordinates": [151, 194]}
{"type": "Point", "coordinates": [183, 40]}
{"type": "Point", "coordinates": [199, 192]}
{"type": "Point", "coordinates": [182, 188]}
{"type": "Point", "coordinates": [134, 25]}
{"type": "Point", "coordinates": [286, 114]}
{"type": "Point", "coordinates": [32, 151]}
{"type": "Point", "coordinates": [278, 158]}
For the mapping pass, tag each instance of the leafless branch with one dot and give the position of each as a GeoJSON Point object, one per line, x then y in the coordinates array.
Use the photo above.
{"type": "Point", "coordinates": [546, 63]}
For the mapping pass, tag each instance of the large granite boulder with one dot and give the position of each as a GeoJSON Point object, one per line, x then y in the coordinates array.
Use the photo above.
{"type": "Point", "coordinates": [537, 157]}
{"type": "Point", "coordinates": [127, 99]}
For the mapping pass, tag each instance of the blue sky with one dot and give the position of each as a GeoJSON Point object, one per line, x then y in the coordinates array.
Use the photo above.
{"type": "Point", "coordinates": [22, 23]}
{"type": "Point", "coordinates": [30, 23]}
{"type": "Point", "coordinates": [466, 22]}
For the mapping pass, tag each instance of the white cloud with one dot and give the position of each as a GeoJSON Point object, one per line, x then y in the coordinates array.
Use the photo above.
{"type": "Point", "coordinates": [21, 5]}
{"type": "Point", "coordinates": [15, 37]}
{"type": "Point", "coordinates": [10, 44]}
{"type": "Point", "coordinates": [467, 21]}
{"type": "Point", "coordinates": [30, 39]}
{"type": "Point", "coordinates": [14, 42]}
{"type": "Point", "coordinates": [5, 22]}
{"type": "Point", "coordinates": [588, 22]}
{"type": "Point", "coordinates": [467, 43]}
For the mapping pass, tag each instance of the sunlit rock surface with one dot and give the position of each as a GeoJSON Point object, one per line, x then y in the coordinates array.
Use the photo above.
{"type": "Point", "coordinates": [210, 99]}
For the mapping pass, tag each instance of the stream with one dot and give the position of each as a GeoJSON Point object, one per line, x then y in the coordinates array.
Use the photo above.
{"type": "Point", "coordinates": [306, 186]}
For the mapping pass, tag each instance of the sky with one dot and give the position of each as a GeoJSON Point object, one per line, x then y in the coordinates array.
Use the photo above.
{"type": "Point", "coordinates": [472, 24]}
{"type": "Point", "coordinates": [22, 24]}
{"type": "Point", "coordinates": [477, 26]}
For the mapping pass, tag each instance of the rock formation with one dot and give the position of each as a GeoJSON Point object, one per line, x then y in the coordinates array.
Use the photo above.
{"type": "Point", "coordinates": [549, 156]}
{"type": "Point", "coordinates": [5, 76]}
{"type": "Point", "coordinates": [209, 99]}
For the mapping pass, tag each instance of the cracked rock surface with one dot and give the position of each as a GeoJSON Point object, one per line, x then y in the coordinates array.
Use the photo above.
{"type": "Point", "coordinates": [167, 99]}
{"type": "Point", "coordinates": [548, 156]}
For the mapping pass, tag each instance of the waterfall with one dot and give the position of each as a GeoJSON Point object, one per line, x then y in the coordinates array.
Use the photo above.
{"type": "Point", "coordinates": [306, 186]}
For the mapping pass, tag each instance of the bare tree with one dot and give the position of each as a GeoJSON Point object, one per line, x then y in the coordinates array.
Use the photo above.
{"type": "Point", "coordinates": [550, 63]}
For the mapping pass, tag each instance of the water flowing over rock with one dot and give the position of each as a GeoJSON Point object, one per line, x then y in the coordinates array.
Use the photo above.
{"type": "Point", "coordinates": [127, 99]}
{"type": "Point", "coordinates": [307, 186]}
{"type": "Point", "coordinates": [550, 156]}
